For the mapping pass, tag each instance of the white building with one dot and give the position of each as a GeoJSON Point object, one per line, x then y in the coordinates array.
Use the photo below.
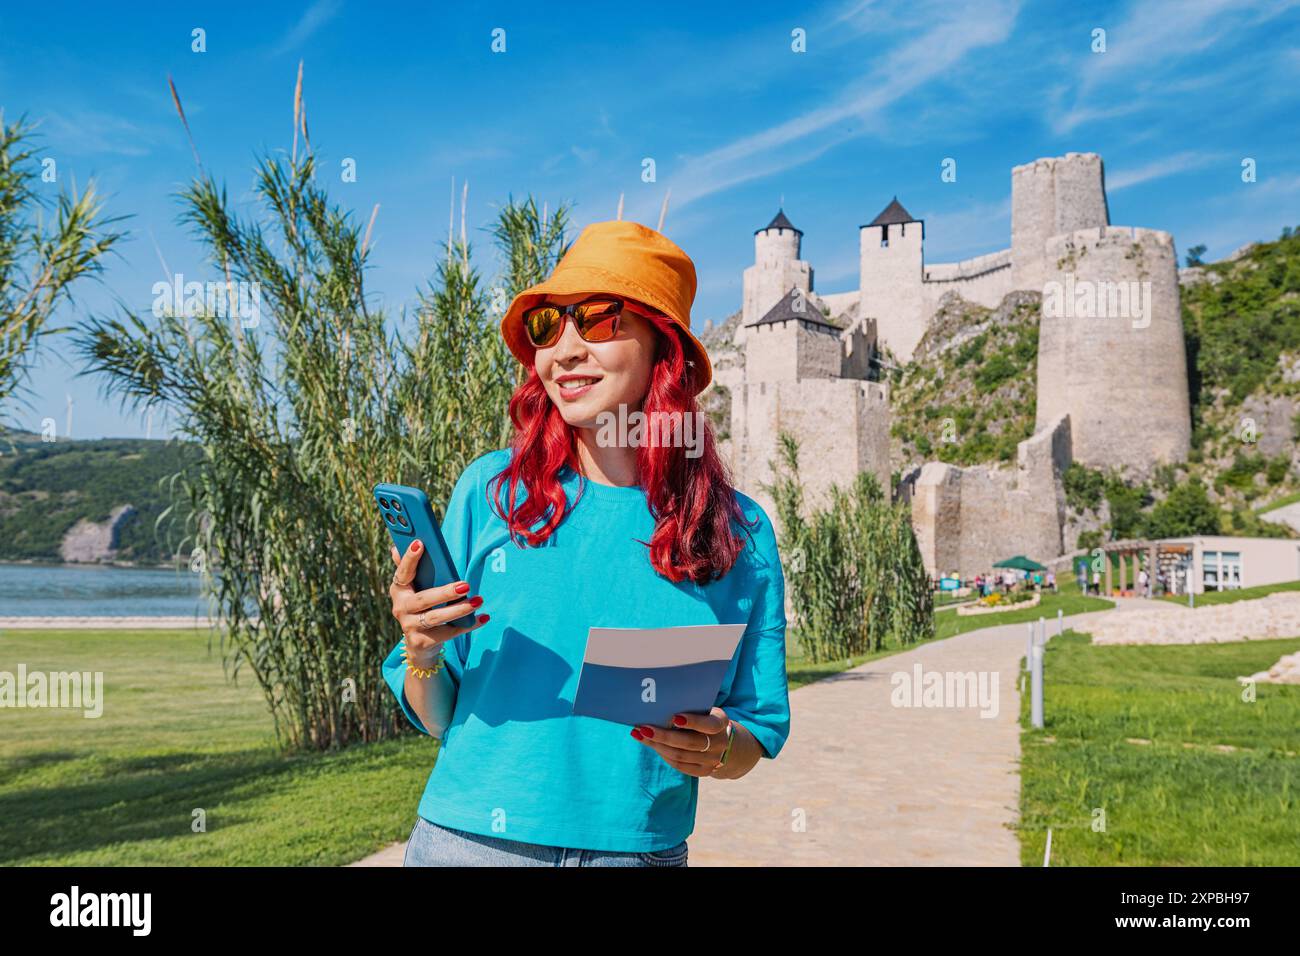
{"type": "Point", "coordinates": [1223, 564]}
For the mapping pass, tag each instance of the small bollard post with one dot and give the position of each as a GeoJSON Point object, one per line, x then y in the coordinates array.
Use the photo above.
{"type": "Point", "coordinates": [1036, 688]}
{"type": "Point", "coordinates": [1029, 648]}
{"type": "Point", "coordinates": [1042, 629]}
{"type": "Point", "coordinates": [1060, 622]}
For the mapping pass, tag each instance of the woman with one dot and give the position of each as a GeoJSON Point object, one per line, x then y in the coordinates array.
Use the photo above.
{"type": "Point", "coordinates": [581, 524]}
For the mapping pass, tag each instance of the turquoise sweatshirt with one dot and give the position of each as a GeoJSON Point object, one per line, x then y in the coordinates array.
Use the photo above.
{"type": "Point", "coordinates": [515, 762]}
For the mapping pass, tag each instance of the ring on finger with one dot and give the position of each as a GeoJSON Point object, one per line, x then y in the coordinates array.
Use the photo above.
{"type": "Point", "coordinates": [422, 622]}
{"type": "Point", "coordinates": [708, 742]}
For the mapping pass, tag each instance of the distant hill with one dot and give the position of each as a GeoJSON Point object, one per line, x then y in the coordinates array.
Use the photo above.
{"type": "Point", "coordinates": [88, 500]}
{"type": "Point", "coordinates": [1242, 320]}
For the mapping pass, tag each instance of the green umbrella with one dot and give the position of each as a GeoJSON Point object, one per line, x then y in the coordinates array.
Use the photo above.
{"type": "Point", "coordinates": [1020, 563]}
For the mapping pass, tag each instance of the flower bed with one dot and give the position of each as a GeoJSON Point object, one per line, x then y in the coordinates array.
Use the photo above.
{"type": "Point", "coordinates": [978, 608]}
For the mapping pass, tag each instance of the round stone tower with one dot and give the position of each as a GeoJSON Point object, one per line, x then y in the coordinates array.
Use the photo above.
{"type": "Point", "coordinates": [776, 270]}
{"type": "Point", "coordinates": [1110, 347]}
{"type": "Point", "coordinates": [1050, 197]}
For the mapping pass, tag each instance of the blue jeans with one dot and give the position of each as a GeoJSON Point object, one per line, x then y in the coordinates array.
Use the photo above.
{"type": "Point", "coordinates": [434, 845]}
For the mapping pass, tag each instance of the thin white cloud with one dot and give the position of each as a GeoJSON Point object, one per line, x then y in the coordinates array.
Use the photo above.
{"type": "Point", "coordinates": [933, 54]}
{"type": "Point", "coordinates": [1160, 168]}
{"type": "Point", "coordinates": [93, 132]}
{"type": "Point", "coordinates": [1155, 36]}
{"type": "Point", "coordinates": [316, 16]}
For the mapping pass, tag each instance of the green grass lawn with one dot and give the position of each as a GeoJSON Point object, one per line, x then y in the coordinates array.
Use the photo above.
{"type": "Point", "coordinates": [1230, 597]}
{"type": "Point", "coordinates": [950, 623]}
{"type": "Point", "coordinates": [1182, 798]}
{"type": "Point", "coordinates": [800, 671]}
{"type": "Point", "coordinates": [174, 736]}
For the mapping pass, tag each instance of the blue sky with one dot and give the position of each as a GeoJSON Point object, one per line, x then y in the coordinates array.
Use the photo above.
{"type": "Point", "coordinates": [734, 119]}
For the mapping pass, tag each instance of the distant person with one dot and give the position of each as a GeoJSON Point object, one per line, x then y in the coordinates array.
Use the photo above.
{"type": "Point", "coordinates": [1096, 582]}
{"type": "Point", "coordinates": [1051, 581]}
{"type": "Point", "coordinates": [1143, 583]}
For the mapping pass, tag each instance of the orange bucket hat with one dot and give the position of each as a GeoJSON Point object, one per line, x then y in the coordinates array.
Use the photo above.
{"type": "Point", "coordinates": [626, 259]}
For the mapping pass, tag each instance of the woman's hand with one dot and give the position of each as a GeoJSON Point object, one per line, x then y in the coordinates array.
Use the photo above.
{"type": "Point", "coordinates": [423, 614]}
{"type": "Point", "coordinates": [695, 746]}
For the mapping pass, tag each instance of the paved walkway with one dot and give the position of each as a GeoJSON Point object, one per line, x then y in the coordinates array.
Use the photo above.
{"type": "Point", "coordinates": [862, 782]}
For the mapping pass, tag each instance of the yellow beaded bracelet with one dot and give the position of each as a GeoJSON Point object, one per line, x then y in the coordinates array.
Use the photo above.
{"type": "Point", "coordinates": [423, 672]}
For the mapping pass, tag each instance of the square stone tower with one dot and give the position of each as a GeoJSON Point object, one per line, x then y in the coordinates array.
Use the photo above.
{"type": "Point", "coordinates": [807, 376]}
{"type": "Point", "coordinates": [892, 272]}
{"type": "Point", "coordinates": [776, 270]}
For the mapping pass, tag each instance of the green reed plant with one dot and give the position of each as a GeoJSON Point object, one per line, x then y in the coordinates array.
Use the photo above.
{"type": "Point", "coordinates": [301, 412]}
{"type": "Point", "coordinates": [41, 257]}
{"type": "Point", "coordinates": [855, 572]}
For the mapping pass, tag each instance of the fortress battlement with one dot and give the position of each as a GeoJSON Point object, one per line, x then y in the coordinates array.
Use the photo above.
{"type": "Point", "coordinates": [968, 268]}
{"type": "Point", "coordinates": [1119, 235]}
{"type": "Point", "coordinates": [1051, 164]}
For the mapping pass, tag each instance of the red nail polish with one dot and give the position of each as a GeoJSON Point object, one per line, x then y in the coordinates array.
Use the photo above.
{"type": "Point", "coordinates": [679, 720]}
{"type": "Point", "coordinates": [647, 731]}
{"type": "Point", "coordinates": [475, 601]}
{"type": "Point", "coordinates": [636, 733]}
{"type": "Point", "coordinates": [462, 588]}
{"type": "Point", "coordinates": [483, 618]}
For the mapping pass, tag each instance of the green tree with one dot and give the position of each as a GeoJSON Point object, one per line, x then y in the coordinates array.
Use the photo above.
{"type": "Point", "coordinates": [1185, 511]}
{"type": "Point", "coordinates": [1126, 504]}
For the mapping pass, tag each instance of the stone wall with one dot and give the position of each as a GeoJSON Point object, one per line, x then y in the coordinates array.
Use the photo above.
{"type": "Point", "coordinates": [842, 427]}
{"type": "Point", "coordinates": [987, 287]}
{"type": "Point", "coordinates": [967, 519]}
{"type": "Point", "coordinates": [1266, 619]}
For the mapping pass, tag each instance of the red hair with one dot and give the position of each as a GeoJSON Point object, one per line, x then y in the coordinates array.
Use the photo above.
{"type": "Point", "coordinates": [692, 499]}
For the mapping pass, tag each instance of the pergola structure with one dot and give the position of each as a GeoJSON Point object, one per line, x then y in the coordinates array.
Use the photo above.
{"type": "Point", "coordinates": [1161, 558]}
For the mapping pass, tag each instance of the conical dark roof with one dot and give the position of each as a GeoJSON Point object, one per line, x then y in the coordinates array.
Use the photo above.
{"type": "Point", "coordinates": [891, 214]}
{"type": "Point", "coordinates": [784, 311]}
{"type": "Point", "coordinates": [779, 221]}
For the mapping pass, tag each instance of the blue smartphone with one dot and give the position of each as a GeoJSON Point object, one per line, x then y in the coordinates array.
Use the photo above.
{"type": "Point", "coordinates": [408, 515]}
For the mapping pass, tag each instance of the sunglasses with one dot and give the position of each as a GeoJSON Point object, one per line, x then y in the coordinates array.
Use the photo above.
{"type": "Point", "coordinates": [596, 320]}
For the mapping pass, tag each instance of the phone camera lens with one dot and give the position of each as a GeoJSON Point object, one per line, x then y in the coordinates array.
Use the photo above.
{"type": "Point", "coordinates": [383, 502]}
{"type": "Point", "coordinates": [401, 521]}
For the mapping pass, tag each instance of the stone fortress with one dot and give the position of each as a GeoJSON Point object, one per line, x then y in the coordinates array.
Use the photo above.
{"type": "Point", "coordinates": [1112, 385]}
